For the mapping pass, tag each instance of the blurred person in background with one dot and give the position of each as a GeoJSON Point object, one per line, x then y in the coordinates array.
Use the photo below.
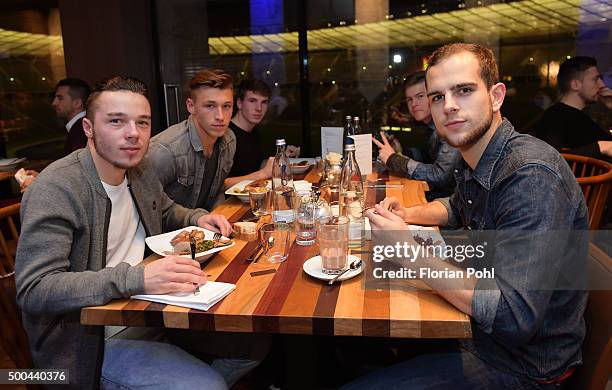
{"type": "Point", "coordinates": [437, 169]}
{"type": "Point", "coordinates": [564, 125]}
{"type": "Point", "coordinates": [69, 104]}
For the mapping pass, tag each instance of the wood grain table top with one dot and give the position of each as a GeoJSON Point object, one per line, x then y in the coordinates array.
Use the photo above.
{"type": "Point", "coordinates": [282, 298]}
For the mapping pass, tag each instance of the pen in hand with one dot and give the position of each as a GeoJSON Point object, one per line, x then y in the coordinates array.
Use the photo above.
{"type": "Point", "coordinates": [192, 245]}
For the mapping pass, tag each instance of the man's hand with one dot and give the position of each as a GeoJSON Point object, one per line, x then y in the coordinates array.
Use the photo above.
{"type": "Point", "coordinates": [292, 151]}
{"type": "Point", "coordinates": [384, 149]}
{"type": "Point", "coordinates": [383, 219]}
{"type": "Point", "coordinates": [216, 223]}
{"type": "Point", "coordinates": [393, 204]}
{"type": "Point", "coordinates": [266, 171]}
{"type": "Point", "coordinates": [28, 180]}
{"type": "Point", "coordinates": [605, 95]}
{"type": "Point", "coordinates": [605, 147]}
{"type": "Point", "coordinates": [172, 274]}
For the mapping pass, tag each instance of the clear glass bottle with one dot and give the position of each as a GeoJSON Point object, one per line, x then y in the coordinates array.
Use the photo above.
{"type": "Point", "coordinates": [282, 186]}
{"type": "Point", "coordinates": [356, 126]}
{"type": "Point", "coordinates": [348, 131]}
{"type": "Point", "coordinates": [351, 194]}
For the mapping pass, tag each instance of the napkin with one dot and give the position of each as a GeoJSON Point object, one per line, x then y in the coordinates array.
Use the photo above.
{"type": "Point", "coordinates": [302, 185]}
{"type": "Point", "coordinates": [210, 293]}
{"type": "Point", "coordinates": [21, 175]}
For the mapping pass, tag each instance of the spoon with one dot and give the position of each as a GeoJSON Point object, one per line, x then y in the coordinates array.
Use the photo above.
{"type": "Point", "coordinates": [268, 247]}
{"type": "Point", "coordinates": [354, 265]}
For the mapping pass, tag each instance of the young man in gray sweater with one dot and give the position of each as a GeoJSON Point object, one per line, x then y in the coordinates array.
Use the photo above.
{"type": "Point", "coordinates": [84, 221]}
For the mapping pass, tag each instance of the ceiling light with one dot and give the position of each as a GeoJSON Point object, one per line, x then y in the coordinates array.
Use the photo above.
{"type": "Point", "coordinates": [397, 58]}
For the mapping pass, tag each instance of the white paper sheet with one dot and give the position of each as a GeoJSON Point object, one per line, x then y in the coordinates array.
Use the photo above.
{"type": "Point", "coordinates": [210, 293]}
{"type": "Point", "coordinates": [331, 140]}
{"type": "Point", "coordinates": [363, 152]}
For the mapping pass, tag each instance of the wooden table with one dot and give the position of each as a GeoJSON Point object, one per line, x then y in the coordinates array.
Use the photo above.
{"type": "Point", "coordinates": [289, 301]}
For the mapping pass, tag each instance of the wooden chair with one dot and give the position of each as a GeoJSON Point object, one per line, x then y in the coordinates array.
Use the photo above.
{"type": "Point", "coordinates": [595, 179]}
{"type": "Point", "coordinates": [13, 338]}
{"type": "Point", "coordinates": [597, 347]}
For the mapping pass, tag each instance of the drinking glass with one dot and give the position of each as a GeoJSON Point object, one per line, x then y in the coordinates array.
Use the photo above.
{"type": "Point", "coordinates": [304, 206]}
{"type": "Point", "coordinates": [275, 238]}
{"type": "Point", "coordinates": [333, 242]}
{"type": "Point", "coordinates": [260, 198]}
{"type": "Point", "coordinates": [319, 166]}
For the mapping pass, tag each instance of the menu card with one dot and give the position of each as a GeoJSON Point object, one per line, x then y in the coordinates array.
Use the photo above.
{"type": "Point", "coordinates": [210, 293]}
{"type": "Point", "coordinates": [331, 140]}
{"type": "Point", "coordinates": [363, 152]}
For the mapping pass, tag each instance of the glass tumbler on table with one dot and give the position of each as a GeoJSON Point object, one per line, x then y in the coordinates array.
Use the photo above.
{"type": "Point", "coordinates": [305, 206]}
{"type": "Point", "coordinates": [260, 198]}
{"type": "Point", "coordinates": [333, 242]}
{"type": "Point", "coordinates": [276, 241]}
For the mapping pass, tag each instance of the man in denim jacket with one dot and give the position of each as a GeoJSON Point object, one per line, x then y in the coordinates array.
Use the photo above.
{"type": "Point", "coordinates": [525, 333]}
{"type": "Point", "coordinates": [192, 158]}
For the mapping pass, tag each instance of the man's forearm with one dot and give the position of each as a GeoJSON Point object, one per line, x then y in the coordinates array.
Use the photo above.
{"type": "Point", "coordinates": [230, 181]}
{"type": "Point", "coordinates": [432, 213]}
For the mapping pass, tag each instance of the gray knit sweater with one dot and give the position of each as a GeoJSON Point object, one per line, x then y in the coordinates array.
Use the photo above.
{"type": "Point", "coordinates": [61, 257]}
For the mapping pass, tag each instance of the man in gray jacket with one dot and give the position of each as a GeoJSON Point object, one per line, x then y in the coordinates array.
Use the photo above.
{"type": "Point", "coordinates": [84, 221]}
{"type": "Point", "coordinates": [193, 158]}
{"type": "Point", "coordinates": [439, 160]}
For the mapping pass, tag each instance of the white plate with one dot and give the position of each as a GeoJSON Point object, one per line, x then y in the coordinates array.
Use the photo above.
{"type": "Point", "coordinates": [314, 268]}
{"type": "Point", "coordinates": [161, 243]}
{"type": "Point", "coordinates": [240, 186]}
{"type": "Point", "coordinates": [300, 168]}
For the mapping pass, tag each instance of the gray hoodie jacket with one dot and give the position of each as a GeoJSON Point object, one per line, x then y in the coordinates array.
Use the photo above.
{"type": "Point", "coordinates": [61, 258]}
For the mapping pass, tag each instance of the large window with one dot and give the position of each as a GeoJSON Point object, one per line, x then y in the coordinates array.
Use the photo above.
{"type": "Point", "coordinates": [31, 62]}
{"type": "Point", "coordinates": [359, 52]}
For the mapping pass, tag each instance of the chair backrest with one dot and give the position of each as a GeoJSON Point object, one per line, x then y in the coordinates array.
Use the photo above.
{"type": "Point", "coordinates": [13, 338]}
{"type": "Point", "coordinates": [597, 346]}
{"type": "Point", "coordinates": [595, 179]}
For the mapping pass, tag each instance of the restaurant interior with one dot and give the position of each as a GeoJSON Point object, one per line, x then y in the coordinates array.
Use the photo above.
{"type": "Point", "coordinates": [323, 60]}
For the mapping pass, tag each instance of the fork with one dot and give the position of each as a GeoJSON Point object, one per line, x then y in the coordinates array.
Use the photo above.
{"type": "Point", "coordinates": [216, 239]}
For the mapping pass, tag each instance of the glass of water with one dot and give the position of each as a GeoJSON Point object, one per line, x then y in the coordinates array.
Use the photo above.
{"type": "Point", "coordinates": [333, 242]}
{"type": "Point", "coordinates": [260, 198]}
{"type": "Point", "coordinates": [304, 206]}
{"type": "Point", "coordinates": [276, 241]}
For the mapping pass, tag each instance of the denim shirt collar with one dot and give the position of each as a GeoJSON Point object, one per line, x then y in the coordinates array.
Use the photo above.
{"type": "Point", "coordinates": [484, 169]}
{"type": "Point", "coordinates": [194, 137]}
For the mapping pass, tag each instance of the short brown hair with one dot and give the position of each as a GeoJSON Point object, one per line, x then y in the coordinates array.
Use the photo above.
{"type": "Point", "coordinates": [414, 79]}
{"type": "Point", "coordinates": [116, 83]}
{"type": "Point", "coordinates": [253, 85]}
{"type": "Point", "coordinates": [488, 66]}
{"type": "Point", "coordinates": [211, 78]}
{"type": "Point", "coordinates": [573, 69]}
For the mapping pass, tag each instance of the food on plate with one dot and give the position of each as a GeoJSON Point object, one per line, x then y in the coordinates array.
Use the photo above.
{"type": "Point", "coordinates": [300, 164]}
{"type": "Point", "coordinates": [254, 184]}
{"type": "Point", "coordinates": [257, 183]}
{"type": "Point", "coordinates": [181, 243]}
{"type": "Point", "coordinates": [245, 227]}
{"type": "Point", "coordinates": [333, 158]}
